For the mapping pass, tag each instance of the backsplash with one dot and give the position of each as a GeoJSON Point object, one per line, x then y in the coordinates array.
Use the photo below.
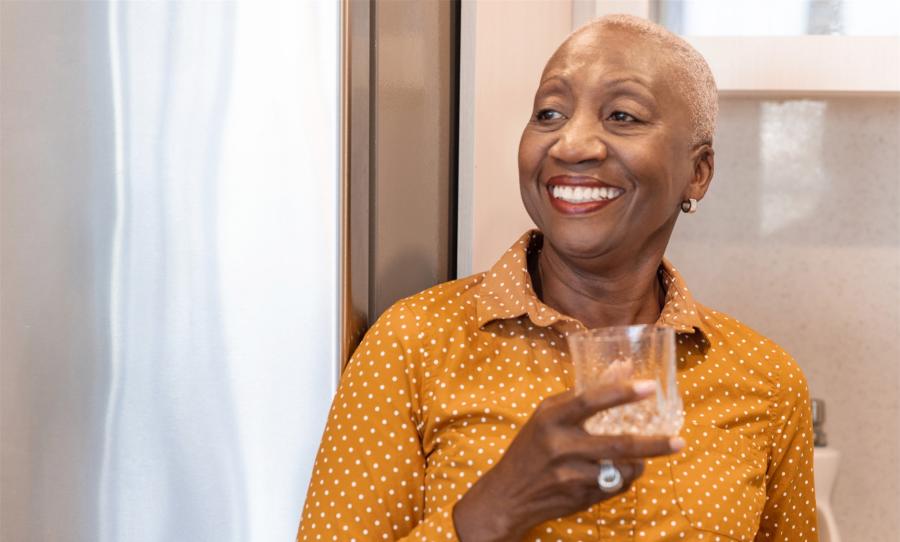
{"type": "Point", "coordinates": [799, 237]}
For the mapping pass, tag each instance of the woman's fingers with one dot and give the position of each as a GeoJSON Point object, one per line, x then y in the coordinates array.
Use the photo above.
{"type": "Point", "coordinates": [552, 467]}
{"type": "Point", "coordinates": [566, 412]}
{"type": "Point", "coordinates": [630, 469]}
{"type": "Point", "coordinates": [635, 468]}
{"type": "Point", "coordinates": [577, 445]}
{"type": "Point", "coordinates": [597, 447]}
{"type": "Point", "coordinates": [574, 408]}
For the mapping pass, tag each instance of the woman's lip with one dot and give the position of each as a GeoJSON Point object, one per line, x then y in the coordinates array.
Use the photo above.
{"type": "Point", "coordinates": [580, 208]}
{"type": "Point", "coordinates": [568, 208]}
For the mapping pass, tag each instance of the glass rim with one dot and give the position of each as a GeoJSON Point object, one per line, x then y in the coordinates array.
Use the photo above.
{"type": "Point", "coordinates": [616, 333]}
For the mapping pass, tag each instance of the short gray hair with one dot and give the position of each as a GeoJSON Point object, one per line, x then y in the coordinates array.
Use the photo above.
{"type": "Point", "coordinates": [693, 77]}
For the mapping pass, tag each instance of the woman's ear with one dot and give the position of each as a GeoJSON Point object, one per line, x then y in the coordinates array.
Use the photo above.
{"type": "Point", "coordinates": [704, 167]}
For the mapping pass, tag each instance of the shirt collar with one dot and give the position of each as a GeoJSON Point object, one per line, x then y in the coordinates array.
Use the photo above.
{"type": "Point", "coordinates": [506, 292]}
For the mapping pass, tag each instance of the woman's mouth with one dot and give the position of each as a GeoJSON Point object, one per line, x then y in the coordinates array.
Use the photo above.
{"type": "Point", "coordinates": [581, 198]}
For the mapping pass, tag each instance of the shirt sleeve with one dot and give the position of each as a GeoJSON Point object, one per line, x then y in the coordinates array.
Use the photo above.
{"type": "Point", "coordinates": [368, 480]}
{"type": "Point", "coordinates": [789, 514]}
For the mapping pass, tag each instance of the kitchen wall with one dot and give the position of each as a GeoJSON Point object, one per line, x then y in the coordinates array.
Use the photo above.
{"type": "Point", "coordinates": [503, 47]}
{"type": "Point", "coordinates": [799, 236]}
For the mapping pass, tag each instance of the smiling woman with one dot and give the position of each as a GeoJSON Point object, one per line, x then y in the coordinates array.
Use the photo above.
{"type": "Point", "coordinates": [624, 106]}
{"type": "Point", "coordinates": [456, 420]}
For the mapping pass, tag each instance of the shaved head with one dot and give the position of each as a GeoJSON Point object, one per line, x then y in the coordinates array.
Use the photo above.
{"type": "Point", "coordinates": [691, 75]}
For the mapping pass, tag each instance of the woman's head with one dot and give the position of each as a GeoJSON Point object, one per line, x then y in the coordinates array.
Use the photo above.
{"type": "Point", "coordinates": [621, 134]}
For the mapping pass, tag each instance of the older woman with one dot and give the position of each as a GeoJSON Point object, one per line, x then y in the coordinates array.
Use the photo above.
{"type": "Point", "coordinates": [455, 417]}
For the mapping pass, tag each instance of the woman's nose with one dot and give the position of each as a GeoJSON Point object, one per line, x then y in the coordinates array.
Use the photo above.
{"type": "Point", "coordinates": [579, 141]}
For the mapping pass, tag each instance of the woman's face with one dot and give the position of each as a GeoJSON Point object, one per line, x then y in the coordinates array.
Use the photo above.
{"type": "Point", "coordinates": [607, 158]}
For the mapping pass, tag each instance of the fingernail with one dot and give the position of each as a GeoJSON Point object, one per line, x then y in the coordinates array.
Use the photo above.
{"type": "Point", "coordinates": [644, 387]}
{"type": "Point", "coordinates": [676, 443]}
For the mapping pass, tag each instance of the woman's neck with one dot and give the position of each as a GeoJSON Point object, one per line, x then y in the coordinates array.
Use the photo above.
{"type": "Point", "coordinates": [617, 295]}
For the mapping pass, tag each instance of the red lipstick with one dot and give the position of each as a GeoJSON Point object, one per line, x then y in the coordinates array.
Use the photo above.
{"type": "Point", "coordinates": [576, 195]}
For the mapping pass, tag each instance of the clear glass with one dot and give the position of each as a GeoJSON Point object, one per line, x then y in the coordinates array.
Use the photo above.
{"type": "Point", "coordinates": [778, 17]}
{"type": "Point", "coordinates": [642, 352]}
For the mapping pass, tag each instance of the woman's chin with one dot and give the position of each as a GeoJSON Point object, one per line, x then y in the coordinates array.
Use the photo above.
{"type": "Point", "coordinates": [580, 240]}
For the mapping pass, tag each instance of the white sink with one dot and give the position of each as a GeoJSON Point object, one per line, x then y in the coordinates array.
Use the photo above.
{"type": "Point", "coordinates": [825, 463]}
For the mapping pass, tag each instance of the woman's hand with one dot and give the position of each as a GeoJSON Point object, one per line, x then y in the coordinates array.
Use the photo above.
{"type": "Point", "coordinates": [550, 469]}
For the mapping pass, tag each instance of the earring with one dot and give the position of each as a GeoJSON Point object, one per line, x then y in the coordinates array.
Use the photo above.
{"type": "Point", "coordinates": [689, 206]}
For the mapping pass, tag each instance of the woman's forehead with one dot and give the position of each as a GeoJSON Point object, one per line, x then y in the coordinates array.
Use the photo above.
{"type": "Point", "coordinates": [613, 53]}
{"type": "Point", "coordinates": [612, 60]}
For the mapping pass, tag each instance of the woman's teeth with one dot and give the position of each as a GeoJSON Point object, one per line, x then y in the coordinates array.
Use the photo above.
{"type": "Point", "coordinates": [582, 194]}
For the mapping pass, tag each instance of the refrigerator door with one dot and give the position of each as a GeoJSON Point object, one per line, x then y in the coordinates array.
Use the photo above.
{"type": "Point", "coordinates": [170, 256]}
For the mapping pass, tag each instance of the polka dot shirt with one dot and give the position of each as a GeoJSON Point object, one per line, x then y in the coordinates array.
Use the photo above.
{"type": "Point", "coordinates": [443, 381]}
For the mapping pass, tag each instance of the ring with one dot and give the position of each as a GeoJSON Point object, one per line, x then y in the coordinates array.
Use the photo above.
{"type": "Point", "coordinates": [610, 479]}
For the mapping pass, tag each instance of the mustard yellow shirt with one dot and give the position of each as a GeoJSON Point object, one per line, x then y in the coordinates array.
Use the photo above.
{"type": "Point", "coordinates": [444, 379]}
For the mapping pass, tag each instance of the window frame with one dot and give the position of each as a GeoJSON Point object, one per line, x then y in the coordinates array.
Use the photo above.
{"type": "Point", "coordinates": [784, 65]}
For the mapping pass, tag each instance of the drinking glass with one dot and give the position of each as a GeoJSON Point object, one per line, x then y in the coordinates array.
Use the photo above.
{"type": "Point", "coordinates": [616, 354]}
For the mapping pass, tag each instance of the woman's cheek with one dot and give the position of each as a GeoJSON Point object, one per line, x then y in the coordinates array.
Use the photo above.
{"type": "Point", "coordinates": [644, 164]}
{"type": "Point", "coordinates": [529, 148]}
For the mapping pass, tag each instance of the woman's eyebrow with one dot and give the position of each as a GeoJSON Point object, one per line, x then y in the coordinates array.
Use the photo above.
{"type": "Point", "coordinates": [632, 87]}
{"type": "Point", "coordinates": [626, 79]}
{"type": "Point", "coordinates": [554, 81]}
{"type": "Point", "coordinates": [629, 85]}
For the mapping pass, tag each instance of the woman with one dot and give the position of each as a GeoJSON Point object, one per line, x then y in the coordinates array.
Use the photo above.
{"type": "Point", "coordinates": [455, 419]}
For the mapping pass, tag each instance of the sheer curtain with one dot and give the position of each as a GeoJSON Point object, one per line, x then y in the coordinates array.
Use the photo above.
{"type": "Point", "coordinates": [213, 252]}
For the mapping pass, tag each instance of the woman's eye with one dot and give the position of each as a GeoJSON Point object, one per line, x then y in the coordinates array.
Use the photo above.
{"type": "Point", "coordinates": [548, 114]}
{"type": "Point", "coordinates": [621, 116]}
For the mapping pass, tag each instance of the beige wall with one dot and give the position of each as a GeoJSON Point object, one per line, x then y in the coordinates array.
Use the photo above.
{"type": "Point", "coordinates": [799, 236]}
{"type": "Point", "coordinates": [504, 45]}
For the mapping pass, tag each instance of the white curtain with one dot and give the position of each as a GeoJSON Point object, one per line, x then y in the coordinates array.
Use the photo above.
{"type": "Point", "coordinates": [217, 125]}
